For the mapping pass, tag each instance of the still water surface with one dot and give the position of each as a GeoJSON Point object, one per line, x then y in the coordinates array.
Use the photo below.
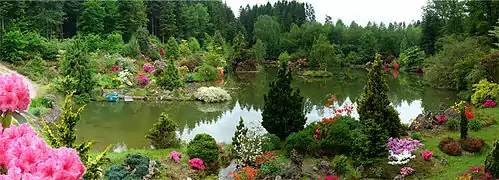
{"type": "Point", "coordinates": [127, 122]}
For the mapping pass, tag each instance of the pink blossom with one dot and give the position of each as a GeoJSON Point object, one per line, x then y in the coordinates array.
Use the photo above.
{"type": "Point", "coordinates": [14, 94]}
{"type": "Point", "coordinates": [196, 163]}
{"type": "Point", "coordinates": [489, 104]}
{"type": "Point", "coordinates": [406, 171]}
{"type": "Point", "coordinates": [398, 146]}
{"type": "Point", "coordinates": [427, 154]}
{"type": "Point", "coordinates": [143, 79]}
{"type": "Point", "coordinates": [148, 68]}
{"type": "Point", "coordinates": [175, 156]}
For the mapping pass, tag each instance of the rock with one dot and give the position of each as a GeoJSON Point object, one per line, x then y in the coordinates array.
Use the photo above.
{"type": "Point", "coordinates": [422, 122]}
{"type": "Point", "coordinates": [315, 168]}
{"type": "Point", "coordinates": [451, 113]}
{"type": "Point", "coordinates": [443, 162]}
{"type": "Point", "coordinates": [278, 177]}
{"type": "Point", "coordinates": [324, 165]}
{"type": "Point", "coordinates": [399, 177]}
{"type": "Point", "coordinates": [223, 174]}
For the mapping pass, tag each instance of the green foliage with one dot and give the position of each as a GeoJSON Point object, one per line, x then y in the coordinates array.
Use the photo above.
{"type": "Point", "coordinates": [137, 166]}
{"type": "Point", "coordinates": [194, 45]}
{"type": "Point", "coordinates": [204, 147]}
{"type": "Point", "coordinates": [324, 53]}
{"type": "Point", "coordinates": [109, 82]}
{"type": "Point", "coordinates": [115, 43]}
{"type": "Point", "coordinates": [492, 160]}
{"type": "Point", "coordinates": [143, 40]}
{"type": "Point", "coordinates": [491, 65]}
{"type": "Point", "coordinates": [464, 123]}
{"type": "Point", "coordinates": [40, 102]}
{"type": "Point", "coordinates": [378, 118]}
{"type": "Point", "coordinates": [65, 136]}
{"type": "Point", "coordinates": [35, 69]}
{"type": "Point", "coordinates": [65, 84]}
{"type": "Point", "coordinates": [475, 124]}
{"type": "Point", "coordinates": [416, 136]}
{"type": "Point", "coordinates": [302, 141]}
{"type": "Point", "coordinates": [241, 131]}
{"type": "Point", "coordinates": [207, 72]}
{"type": "Point", "coordinates": [339, 137]}
{"type": "Point", "coordinates": [354, 58]}
{"type": "Point", "coordinates": [484, 90]}
{"type": "Point", "coordinates": [495, 33]}
{"type": "Point", "coordinates": [170, 78]}
{"type": "Point", "coordinates": [273, 168]}
{"type": "Point", "coordinates": [452, 124]}
{"type": "Point", "coordinates": [271, 142]}
{"type": "Point", "coordinates": [283, 111]}
{"type": "Point", "coordinates": [284, 57]}
{"type": "Point", "coordinates": [317, 74]}
{"type": "Point", "coordinates": [93, 42]}
{"type": "Point", "coordinates": [17, 45]}
{"type": "Point", "coordinates": [258, 51]}
{"type": "Point", "coordinates": [184, 50]}
{"type": "Point", "coordinates": [215, 59]}
{"type": "Point", "coordinates": [268, 29]}
{"type": "Point", "coordinates": [411, 59]}
{"type": "Point", "coordinates": [92, 18]}
{"type": "Point", "coordinates": [163, 133]}
{"type": "Point", "coordinates": [340, 164]}
{"type": "Point", "coordinates": [77, 65]}
{"type": "Point", "coordinates": [172, 49]}
{"type": "Point", "coordinates": [240, 50]}
{"type": "Point", "coordinates": [132, 49]}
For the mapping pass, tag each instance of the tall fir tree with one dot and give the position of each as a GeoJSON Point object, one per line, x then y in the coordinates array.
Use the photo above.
{"type": "Point", "coordinates": [172, 49]}
{"type": "Point", "coordinates": [283, 111]}
{"type": "Point", "coordinates": [239, 49]}
{"type": "Point", "coordinates": [132, 17]}
{"type": "Point", "coordinates": [92, 18]}
{"type": "Point", "coordinates": [492, 160]}
{"type": "Point", "coordinates": [167, 20]}
{"type": "Point", "coordinates": [77, 65]}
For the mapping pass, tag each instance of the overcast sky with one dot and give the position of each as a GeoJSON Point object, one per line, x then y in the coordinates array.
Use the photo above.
{"type": "Point", "coordinates": [360, 11]}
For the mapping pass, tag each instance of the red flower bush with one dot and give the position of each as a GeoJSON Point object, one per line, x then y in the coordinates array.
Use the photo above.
{"type": "Point", "coordinates": [469, 113]}
{"type": "Point", "coordinates": [329, 178]}
{"type": "Point", "coordinates": [265, 158]}
{"type": "Point", "coordinates": [427, 155]}
{"type": "Point", "coordinates": [244, 173]}
{"type": "Point", "coordinates": [476, 172]}
{"type": "Point", "coordinates": [196, 163]}
{"type": "Point", "coordinates": [489, 104]}
{"type": "Point", "coordinates": [442, 119]}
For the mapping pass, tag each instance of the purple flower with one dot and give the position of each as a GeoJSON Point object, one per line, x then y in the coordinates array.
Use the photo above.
{"type": "Point", "coordinates": [397, 145]}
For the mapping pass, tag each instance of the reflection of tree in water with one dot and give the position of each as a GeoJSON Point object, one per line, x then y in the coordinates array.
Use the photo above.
{"type": "Point", "coordinates": [404, 88]}
{"type": "Point", "coordinates": [250, 89]}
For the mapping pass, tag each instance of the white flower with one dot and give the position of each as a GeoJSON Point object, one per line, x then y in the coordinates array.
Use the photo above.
{"type": "Point", "coordinates": [402, 158]}
{"type": "Point", "coordinates": [212, 94]}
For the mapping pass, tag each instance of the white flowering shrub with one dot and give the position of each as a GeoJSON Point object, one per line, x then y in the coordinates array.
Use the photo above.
{"type": "Point", "coordinates": [125, 77]}
{"type": "Point", "coordinates": [212, 94]}
{"type": "Point", "coordinates": [402, 158]}
{"type": "Point", "coordinates": [250, 145]}
{"type": "Point", "coordinates": [127, 64]}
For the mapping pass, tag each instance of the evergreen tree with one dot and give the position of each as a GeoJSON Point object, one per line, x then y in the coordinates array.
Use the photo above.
{"type": "Point", "coordinates": [323, 53]}
{"type": "Point", "coordinates": [464, 123]}
{"type": "Point", "coordinates": [143, 40]}
{"type": "Point", "coordinates": [239, 49]}
{"type": "Point", "coordinates": [167, 20]}
{"type": "Point", "coordinates": [184, 50]}
{"type": "Point", "coordinates": [492, 160]}
{"type": "Point", "coordinates": [172, 49]}
{"type": "Point", "coordinates": [170, 78]}
{"type": "Point", "coordinates": [78, 66]}
{"type": "Point", "coordinates": [258, 51]}
{"type": "Point", "coordinates": [163, 133]}
{"type": "Point", "coordinates": [241, 131]}
{"type": "Point", "coordinates": [132, 17]}
{"type": "Point", "coordinates": [378, 118]}
{"type": "Point", "coordinates": [283, 111]}
{"type": "Point", "coordinates": [92, 17]}
{"type": "Point", "coordinates": [132, 48]}
{"type": "Point", "coordinates": [194, 45]}
{"type": "Point", "coordinates": [431, 30]}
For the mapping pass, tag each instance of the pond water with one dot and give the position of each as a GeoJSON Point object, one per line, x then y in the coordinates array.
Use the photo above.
{"type": "Point", "coordinates": [127, 122]}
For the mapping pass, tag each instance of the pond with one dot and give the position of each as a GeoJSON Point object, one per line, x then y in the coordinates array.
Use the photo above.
{"type": "Point", "coordinates": [127, 122]}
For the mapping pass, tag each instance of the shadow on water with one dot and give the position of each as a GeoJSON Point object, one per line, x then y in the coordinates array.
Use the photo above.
{"type": "Point", "coordinates": [127, 122]}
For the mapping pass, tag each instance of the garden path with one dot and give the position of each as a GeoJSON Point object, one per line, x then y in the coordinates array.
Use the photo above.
{"type": "Point", "coordinates": [33, 87]}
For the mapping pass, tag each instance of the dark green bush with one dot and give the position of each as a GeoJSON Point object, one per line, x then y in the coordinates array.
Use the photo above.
{"type": "Point", "coordinates": [132, 49]}
{"type": "Point", "coordinates": [492, 160]}
{"type": "Point", "coordinates": [204, 147]}
{"type": "Point", "coordinates": [273, 168]}
{"type": "Point", "coordinates": [337, 139]}
{"type": "Point", "coordinates": [77, 64]}
{"type": "Point", "coordinates": [416, 136]}
{"type": "Point", "coordinates": [136, 166]}
{"type": "Point", "coordinates": [207, 72]}
{"type": "Point", "coordinates": [302, 141]}
{"type": "Point", "coordinates": [452, 124]}
{"type": "Point", "coordinates": [475, 124]}
{"type": "Point", "coordinates": [271, 142]}
{"type": "Point", "coordinates": [40, 102]}
{"type": "Point", "coordinates": [170, 78]}
{"type": "Point", "coordinates": [13, 46]}
{"type": "Point", "coordinates": [115, 43]}
{"type": "Point", "coordinates": [163, 134]}
{"type": "Point", "coordinates": [340, 164]}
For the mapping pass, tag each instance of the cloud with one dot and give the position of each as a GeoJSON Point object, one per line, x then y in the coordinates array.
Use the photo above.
{"type": "Point", "coordinates": [360, 11]}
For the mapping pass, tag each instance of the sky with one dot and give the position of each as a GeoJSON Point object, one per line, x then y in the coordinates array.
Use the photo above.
{"type": "Point", "coordinates": [360, 11]}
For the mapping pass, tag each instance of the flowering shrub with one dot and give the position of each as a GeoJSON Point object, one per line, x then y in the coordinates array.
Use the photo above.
{"type": "Point", "coordinates": [329, 178]}
{"type": "Point", "coordinates": [441, 119]}
{"type": "Point", "coordinates": [142, 79]}
{"type": "Point", "coordinates": [196, 163]}
{"type": "Point", "coordinates": [475, 173]}
{"type": "Point", "coordinates": [148, 68]}
{"type": "Point", "coordinates": [334, 113]}
{"type": "Point", "coordinates": [249, 144]}
{"type": "Point", "coordinates": [489, 104]}
{"type": "Point", "coordinates": [211, 94]}
{"type": "Point", "coordinates": [162, 52]}
{"type": "Point", "coordinates": [406, 171]}
{"type": "Point", "coordinates": [124, 77]}
{"type": "Point", "coordinates": [427, 154]}
{"type": "Point", "coordinates": [244, 173]}
{"type": "Point", "coordinates": [469, 113]}
{"type": "Point", "coordinates": [115, 69]}
{"type": "Point", "coordinates": [398, 146]}
{"type": "Point", "coordinates": [401, 158]}
{"type": "Point", "coordinates": [14, 97]}
{"type": "Point", "coordinates": [26, 156]}
{"type": "Point", "coordinates": [265, 158]}
{"type": "Point", "coordinates": [174, 155]}
{"type": "Point", "coordinates": [457, 106]}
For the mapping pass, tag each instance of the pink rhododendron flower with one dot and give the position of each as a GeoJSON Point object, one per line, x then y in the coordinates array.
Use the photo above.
{"type": "Point", "coordinates": [174, 155]}
{"type": "Point", "coordinates": [27, 157]}
{"type": "Point", "coordinates": [148, 68]}
{"type": "Point", "coordinates": [143, 79]}
{"type": "Point", "coordinates": [196, 163]}
{"type": "Point", "coordinates": [427, 154]}
{"type": "Point", "coordinates": [14, 94]}
{"type": "Point", "coordinates": [406, 171]}
{"type": "Point", "coordinates": [442, 119]}
{"type": "Point", "coordinates": [489, 104]}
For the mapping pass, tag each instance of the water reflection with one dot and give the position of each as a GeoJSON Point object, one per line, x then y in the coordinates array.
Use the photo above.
{"type": "Point", "coordinates": [111, 123]}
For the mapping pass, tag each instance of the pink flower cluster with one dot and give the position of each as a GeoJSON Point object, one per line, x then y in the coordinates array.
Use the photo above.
{"type": "Point", "coordinates": [329, 178]}
{"type": "Point", "coordinates": [406, 171]}
{"type": "Point", "coordinates": [174, 155]}
{"type": "Point", "coordinates": [398, 146]}
{"type": "Point", "coordinates": [148, 68]}
{"type": "Point", "coordinates": [196, 163]}
{"type": "Point", "coordinates": [14, 94]}
{"type": "Point", "coordinates": [442, 119]}
{"type": "Point", "coordinates": [489, 104]}
{"type": "Point", "coordinates": [28, 157]}
{"type": "Point", "coordinates": [427, 154]}
{"type": "Point", "coordinates": [115, 68]}
{"type": "Point", "coordinates": [143, 79]}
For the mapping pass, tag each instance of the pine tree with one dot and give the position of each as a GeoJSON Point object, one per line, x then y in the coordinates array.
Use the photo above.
{"type": "Point", "coordinates": [132, 17]}
{"type": "Point", "coordinates": [77, 65]}
{"type": "Point", "coordinates": [143, 40]}
{"type": "Point", "coordinates": [92, 17]}
{"type": "Point", "coordinates": [172, 49]}
{"type": "Point", "coordinates": [239, 48]}
{"type": "Point", "coordinates": [170, 78]}
{"type": "Point", "coordinates": [258, 51]}
{"type": "Point", "coordinates": [241, 131]}
{"type": "Point", "coordinates": [378, 118]}
{"type": "Point", "coordinates": [163, 133]}
{"type": "Point", "coordinates": [283, 111]}
{"type": "Point", "coordinates": [464, 123]}
{"type": "Point", "coordinates": [167, 20]}
{"type": "Point", "coordinates": [492, 160]}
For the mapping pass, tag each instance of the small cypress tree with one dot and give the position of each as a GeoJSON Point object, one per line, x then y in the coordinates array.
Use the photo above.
{"type": "Point", "coordinates": [464, 123]}
{"type": "Point", "coordinates": [65, 136]}
{"type": "Point", "coordinates": [378, 118]}
{"type": "Point", "coordinates": [143, 40]}
{"type": "Point", "coordinates": [170, 78]}
{"type": "Point", "coordinates": [492, 161]}
{"type": "Point", "coordinates": [77, 65]}
{"type": "Point", "coordinates": [241, 131]}
{"type": "Point", "coordinates": [172, 48]}
{"type": "Point", "coordinates": [163, 134]}
{"type": "Point", "coordinates": [283, 111]}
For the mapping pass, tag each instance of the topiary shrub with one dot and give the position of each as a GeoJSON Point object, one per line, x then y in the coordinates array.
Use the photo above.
{"type": "Point", "coordinates": [137, 166]}
{"type": "Point", "coordinates": [163, 134]}
{"type": "Point", "coordinates": [340, 164]}
{"type": "Point", "coordinates": [170, 78]}
{"type": "Point", "coordinates": [211, 94]}
{"type": "Point", "coordinates": [472, 144]}
{"type": "Point", "coordinates": [241, 131]}
{"type": "Point", "coordinates": [271, 142]}
{"type": "Point", "coordinates": [452, 124]}
{"type": "Point", "coordinates": [492, 160]}
{"type": "Point", "coordinates": [450, 146]}
{"type": "Point", "coordinates": [475, 124]}
{"type": "Point", "coordinates": [283, 111]}
{"type": "Point", "coordinates": [204, 147]}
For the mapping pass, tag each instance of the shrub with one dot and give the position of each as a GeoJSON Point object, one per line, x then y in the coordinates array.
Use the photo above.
{"type": "Point", "coordinates": [148, 68]}
{"type": "Point", "coordinates": [302, 141]}
{"type": "Point", "coordinates": [212, 94]}
{"type": "Point", "coordinates": [136, 166]}
{"type": "Point", "coordinates": [445, 140]}
{"type": "Point", "coordinates": [337, 137]}
{"type": "Point", "coordinates": [241, 131]}
{"type": "Point", "coordinates": [412, 58]}
{"type": "Point", "coordinates": [271, 142]}
{"type": "Point", "coordinates": [196, 163]}
{"type": "Point", "coordinates": [483, 91]}
{"type": "Point", "coordinates": [492, 160]}
{"type": "Point", "coordinates": [283, 109]}
{"type": "Point", "coordinates": [40, 102]}
{"type": "Point", "coordinates": [175, 156]}
{"type": "Point", "coordinates": [427, 155]}
{"type": "Point", "coordinates": [207, 72]}
{"type": "Point", "coordinates": [416, 136]}
{"type": "Point", "coordinates": [475, 124]}
{"type": "Point", "coordinates": [172, 49]}
{"type": "Point", "coordinates": [406, 171]}
{"type": "Point", "coordinates": [163, 134]}
{"type": "Point", "coordinates": [472, 144]}
{"type": "Point", "coordinates": [248, 144]}
{"type": "Point", "coordinates": [77, 65]}
{"type": "Point", "coordinates": [340, 164]}
{"type": "Point", "coordinates": [475, 173]}
{"type": "Point", "coordinates": [398, 146]}
{"type": "Point", "coordinates": [450, 146]}
{"type": "Point", "coordinates": [248, 65]}
{"type": "Point", "coordinates": [13, 46]}
{"type": "Point", "coordinates": [489, 103]}
{"type": "Point", "coordinates": [190, 63]}
{"type": "Point", "coordinates": [170, 78]}
{"type": "Point", "coordinates": [490, 63]}
{"type": "Point", "coordinates": [284, 57]}
{"type": "Point", "coordinates": [35, 69]}
{"type": "Point", "coordinates": [203, 146]}
{"type": "Point", "coordinates": [142, 79]}
{"type": "Point", "coordinates": [132, 49]}
{"type": "Point", "coordinates": [452, 124]}
{"type": "Point", "coordinates": [317, 74]}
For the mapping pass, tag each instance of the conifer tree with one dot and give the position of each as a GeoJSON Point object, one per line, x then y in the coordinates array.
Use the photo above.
{"type": "Point", "coordinates": [464, 123]}
{"type": "Point", "coordinates": [163, 134]}
{"type": "Point", "coordinates": [170, 78]}
{"type": "Point", "coordinates": [92, 17]}
{"type": "Point", "coordinates": [239, 48]}
{"type": "Point", "coordinates": [492, 161]}
{"type": "Point", "coordinates": [77, 65]}
{"type": "Point", "coordinates": [241, 131]}
{"type": "Point", "coordinates": [172, 49]}
{"type": "Point", "coordinates": [378, 118]}
{"type": "Point", "coordinates": [283, 111]}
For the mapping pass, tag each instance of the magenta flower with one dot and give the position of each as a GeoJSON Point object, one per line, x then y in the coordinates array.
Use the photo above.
{"type": "Point", "coordinates": [489, 104]}
{"type": "Point", "coordinates": [406, 171]}
{"type": "Point", "coordinates": [196, 163]}
{"type": "Point", "coordinates": [14, 94]}
{"type": "Point", "coordinates": [174, 155]}
{"type": "Point", "coordinates": [148, 68]}
{"type": "Point", "coordinates": [143, 79]}
{"type": "Point", "coordinates": [398, 146]}
{"type": "Point", "coordinates": [427, 154]}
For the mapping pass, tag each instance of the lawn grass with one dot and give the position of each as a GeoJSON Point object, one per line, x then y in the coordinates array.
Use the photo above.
{"type": "Point", "coordinates": [459, 164]}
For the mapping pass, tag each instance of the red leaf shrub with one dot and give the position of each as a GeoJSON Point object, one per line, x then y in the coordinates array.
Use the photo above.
{"type": "Point", "coordinates": [450, 146]}
{"type": "Point", "coordinates": [472, 144]}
